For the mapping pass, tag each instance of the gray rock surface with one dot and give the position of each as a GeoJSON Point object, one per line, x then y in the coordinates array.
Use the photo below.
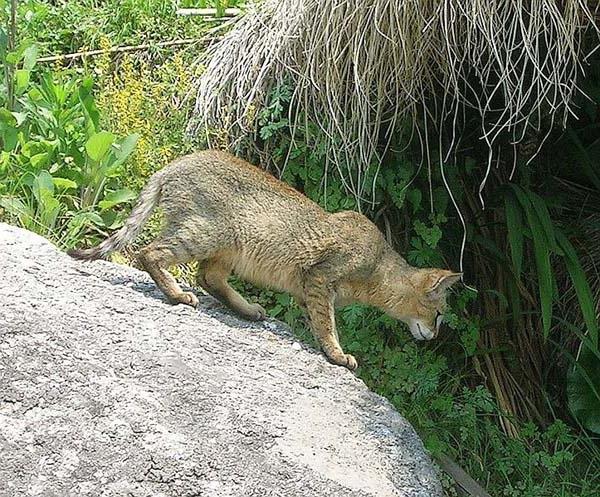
{"type": "Point", "coordinates": [105, 389]}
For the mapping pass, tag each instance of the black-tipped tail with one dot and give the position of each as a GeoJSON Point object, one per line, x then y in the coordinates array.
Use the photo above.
{"type": "Point", "coordinates": [90, 254]}
{"type": "Point", "coordinates": [147, 201]}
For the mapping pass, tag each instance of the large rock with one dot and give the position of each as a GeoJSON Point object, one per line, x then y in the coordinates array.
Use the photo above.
{"type": "Point", "coordinates": [105, 389]}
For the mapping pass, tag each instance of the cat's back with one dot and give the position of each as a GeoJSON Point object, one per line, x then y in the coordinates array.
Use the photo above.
{"type": "Point", "coordinates": [216, 185]}
{"type": "Point", "coordinates": [225, 174]}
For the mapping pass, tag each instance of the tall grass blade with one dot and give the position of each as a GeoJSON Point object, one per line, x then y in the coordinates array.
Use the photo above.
{"type": "Point", "coordinates": [541, 250]}
{"type": "Point", "coordinates": [582, 287]}
{"type": "Point", "coordinates": [541, 210]}
{"type": "Point", "coordinates": [514, 226]}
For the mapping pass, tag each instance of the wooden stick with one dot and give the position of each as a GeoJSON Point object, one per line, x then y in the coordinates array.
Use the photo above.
{"type": "Point", "coordinates": [460, 476]}
{"type": "Point", "coordinates": [209, 12]}
{"type": "Point", "coordinates": [130, 48]}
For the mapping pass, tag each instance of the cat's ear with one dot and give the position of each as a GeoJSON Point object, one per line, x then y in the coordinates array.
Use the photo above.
{"type": "Point", "coordinates": [439, 281]}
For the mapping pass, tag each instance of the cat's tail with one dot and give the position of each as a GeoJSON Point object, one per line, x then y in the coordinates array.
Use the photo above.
{"type": "Point", "coordinates": [145, 205]}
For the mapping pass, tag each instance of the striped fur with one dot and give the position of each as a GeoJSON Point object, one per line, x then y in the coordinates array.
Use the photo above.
{"type": "Point", "coordinates": [145, 205]}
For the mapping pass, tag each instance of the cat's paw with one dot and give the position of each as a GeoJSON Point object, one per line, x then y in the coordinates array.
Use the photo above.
{"type": "Point", "coordinates": [187, 298]}
{"type": "Point", "coordinates": [256, 312]}
{"type": "Point", "coordinates": [345, 360]}
{"type": "Point", "coordinates": [351, 363]}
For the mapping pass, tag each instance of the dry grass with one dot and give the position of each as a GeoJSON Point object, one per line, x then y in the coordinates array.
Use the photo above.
{"type": "Point", "coordinates": [361, 68]}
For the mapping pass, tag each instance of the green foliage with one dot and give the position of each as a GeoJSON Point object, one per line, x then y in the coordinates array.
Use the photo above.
{"type": "Point", "coordinates": [584, 389]}
{"type": "Point", "coordinates": [528, 218]}
{"type": "Point", "coordinates": [434, 387]}
{"type": "Point", "coordinates": [59, 171]}
{"type": "Point", "coordinates": [141, 98]}
{"type": "Point", "coordinates": [582, 288]}
{"type": "Point", "coordinates": [65, 27]}
{"type": "Point", "coordinates": [541, 232]}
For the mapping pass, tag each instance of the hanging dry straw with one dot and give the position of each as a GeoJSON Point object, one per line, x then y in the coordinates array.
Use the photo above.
{"type": "Point", "coordinates": [360, 69]}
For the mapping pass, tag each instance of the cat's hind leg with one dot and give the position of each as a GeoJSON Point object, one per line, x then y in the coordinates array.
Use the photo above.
{"type": "Point", "coordinates": [180, 242]}
{"type": "Point", "coordinates": [212, 276]}
{"type": "Point", "coordinates": [156, 258]}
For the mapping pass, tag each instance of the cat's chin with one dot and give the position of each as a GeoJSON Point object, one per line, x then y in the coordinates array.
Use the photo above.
{"type": "Point", "coordinates": [420, 331]}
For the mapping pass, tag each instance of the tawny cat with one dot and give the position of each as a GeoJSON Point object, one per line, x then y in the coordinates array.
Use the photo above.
{"type": "Point", "coordinates": [233, 217]}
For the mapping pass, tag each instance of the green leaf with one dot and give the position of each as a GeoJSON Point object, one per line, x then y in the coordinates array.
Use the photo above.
{"type": "Point", "coordinates": [31, 148]}
{"type": "Point", "coordinates": [84, 218]}
{"type": "Point", "coordinates": [42, 186]}
{"type": "Point", "coordinates": [541, 210]}
{"type": "Point", "coordinates": [414, 196]}
{"type": "Point", "coordinates": [35, 95]}
{"type": "Point", "coordinates": [7, 118]}
{"type": "Point", "coordinates": [4, 160]}
{"type": "Point", "coordinates": [124, 148]}
{"type": "Point", "coordinates": [30, 57]}
{"type": "Point", "coordinates": [10, 137]}
{"type": "Point", "coordinates": [514, 298]}
{"type": "Point", "coordinates": [21, 80]}
{"type": "Point", "coordinates": [430, 235]}
{"type": "Point", "coordinates": [514, 227]}
{"type": "Point", "coordinates": [545, 277]}
{"type": "Point", "coordinates": [13, 58]}
{"type": "Point", "coordinates": [17, 208]}
{"type": "Point", "coordinates": [3, 37]}
{"type": "Point", "coordinates": [48, 210]}
{"type": "Point", "coordinates": [115, 198]}
{"type": "Point", "coordinates": [19, 117]}
{"type": "Point", "coordinates": [582, 287]}
{"type": "Point", "coordinates": [64, 183]}
{"type": "Point", "coordinates": [87, 100]}
{"type": "Point", "coordinates": [39, 160]}
{"type": "Point", "coordinates": [98, 145]}
{"type": "Point", "coordinates": [541, 250]}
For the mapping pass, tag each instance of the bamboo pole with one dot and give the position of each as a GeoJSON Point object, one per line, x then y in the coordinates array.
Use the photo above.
{"type": "Point", "coordinates": [129, 48]}
{"type": "Point", "coordinates": [208, 13]}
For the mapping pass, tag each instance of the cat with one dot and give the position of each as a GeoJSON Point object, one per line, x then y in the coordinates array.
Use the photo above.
{"type": "Point", "coordinates": [233, 217]}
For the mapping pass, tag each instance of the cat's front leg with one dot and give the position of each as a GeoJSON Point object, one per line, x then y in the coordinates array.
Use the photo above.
{"type": "Point", "coordinates": [319, 300]}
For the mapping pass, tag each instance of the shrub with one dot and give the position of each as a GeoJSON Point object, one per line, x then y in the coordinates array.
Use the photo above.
{"type": "Point", "coordinates": [59, 172]}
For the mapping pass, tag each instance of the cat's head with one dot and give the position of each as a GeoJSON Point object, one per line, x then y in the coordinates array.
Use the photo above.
{"type": "Point", "coordinates": [423, 301]}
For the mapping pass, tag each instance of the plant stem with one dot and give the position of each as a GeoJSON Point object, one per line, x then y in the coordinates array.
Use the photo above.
{"type": "Point", "coordinates": [9, 71]}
